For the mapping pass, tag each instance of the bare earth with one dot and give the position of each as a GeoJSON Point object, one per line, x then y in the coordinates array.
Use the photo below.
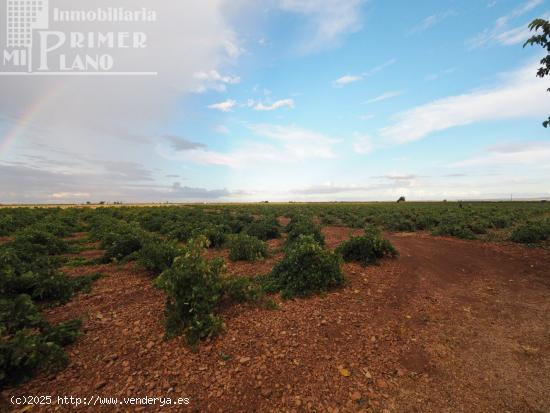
{"type": "Point", "coordinates": [449, 326]}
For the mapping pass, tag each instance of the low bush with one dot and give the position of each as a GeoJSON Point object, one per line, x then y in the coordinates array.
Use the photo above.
{"type": "Point", "coordinates": [303, 227]}
{"type": "Point", "coordinates": [157, 255]}
{"type": "Point", "coordinates": [264, 229]}
{"type": "Point", "coordinates": [31, 243]}
{"type": "Point", "coordinates": [247, 248]}
{"type": "Point", "coordinates": [532, 233]}
{"type": "Point", "coordinates": [306, 268]}
{"type": "Point", "coordinates": [401, 225]}
{"type": "Point", "coordinates": [28, 343]}
{"type": "Point", "coordinates": [368, 248]}
{"type": "Point", "coordinates": [120, 243]}
{"type": "Point", "coordinates": [180, 231]}
{"type": "Point", "coordinates": [193, 288]}
{"type": "Point", "coordinates": [242, 289]}
{"type": "Point", "coordinates": [454, 230]}
{"type": "Point", "coordinates": [216, 235]}
{"type": "Point", "coordinates": [38, 278]}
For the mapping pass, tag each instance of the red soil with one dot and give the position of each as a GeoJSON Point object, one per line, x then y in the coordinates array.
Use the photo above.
{"type": "Point", "coordinates": [449, 326]}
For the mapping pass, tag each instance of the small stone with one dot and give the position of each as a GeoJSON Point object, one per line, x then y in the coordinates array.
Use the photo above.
{"type": "Point", "coordinates": [381, 383]}
{"type": "Point", "coordinates": [100, 385]}
{"type": "Point", "coordinates": [266, 392]}
{"type": "Point", "coordinates": [355, 396]}
{"type": "Point", "coordinates": [244, 360]}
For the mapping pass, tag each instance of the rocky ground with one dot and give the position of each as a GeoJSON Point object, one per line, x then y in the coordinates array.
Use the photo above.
{"type": "Point", "coordinates": [449, 326]}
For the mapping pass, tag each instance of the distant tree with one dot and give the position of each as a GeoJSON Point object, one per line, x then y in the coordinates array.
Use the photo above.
{"type": "Point", "coordinates": [401, 199]}
{"type": "Point", "coordinates": [543, 39]}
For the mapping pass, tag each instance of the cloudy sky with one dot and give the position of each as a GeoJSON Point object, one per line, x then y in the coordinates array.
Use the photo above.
{"type": "Point", "coordinates": [290, 100]}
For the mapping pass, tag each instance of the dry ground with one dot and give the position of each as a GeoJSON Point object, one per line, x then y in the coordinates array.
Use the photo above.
{"type": "Point", "coordinates": [449, 326]}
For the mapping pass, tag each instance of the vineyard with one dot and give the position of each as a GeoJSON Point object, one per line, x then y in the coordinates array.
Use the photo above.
{"type": "Point", "coordinates": [280, 307]}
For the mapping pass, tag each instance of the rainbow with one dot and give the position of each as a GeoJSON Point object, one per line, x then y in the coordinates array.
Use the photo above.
{"type": "Point", "coordinates": [25, 120]}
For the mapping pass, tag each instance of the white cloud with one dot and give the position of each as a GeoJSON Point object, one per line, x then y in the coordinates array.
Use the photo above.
{"type": "Point", "coordinates": [46, 119]}
{"type": "Point", "coordinates": [212, 80]}
{"type": "Point", "coordinates": [347, 79]}
{"type": "Point", "coordinates": [438, 75]}
{"type": "Point", "coordinates": [532, 153]}
{"type": "Point", "coordinates": [379, 68]}
{"type": "Point", "coordinates": [287, 144]}
{"type": "Point", "coordinates": [328, 19]}
{"type": "Point", "coordinates": [513, 36]}
{"type": "Point", "coordinates": [70, 195]}
{"type": "Point", "coordinates": [518, 11]}
{"type": "Point", "coordinates": [225, 106]}
{"type": "Point", "coordinates": [232, 47]}
{"type": "Point", "coordinates": [366, 116]}
{"type": "Point", "coordinates": [501, 34]}
{"type": "Point", "coordinates": [290, 133]}
{"type": "Point", "coordinates": [520, 95]}
{"type": "Point", "coordinates": [275, 105]}
{"type": "Point", "coordinates": [385, 96]}
{"type": "Point", "coordinates": [362, 143]}
{"type": "Point", "coordinates": [430, 21]}
{"type": "Point", "coordinates": [222, 129]}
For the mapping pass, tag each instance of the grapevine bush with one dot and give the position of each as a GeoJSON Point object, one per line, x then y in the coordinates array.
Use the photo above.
{"type": "Point", "coordinates": [247, 248]}
{"type": "Point", "coordinates": [367, 249]}
{"type": "Point", "coordinates": [307, 268]}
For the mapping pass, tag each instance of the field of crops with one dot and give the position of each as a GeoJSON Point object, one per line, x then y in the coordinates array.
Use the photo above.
{"type": "Point", "coordinates": [234, 306]}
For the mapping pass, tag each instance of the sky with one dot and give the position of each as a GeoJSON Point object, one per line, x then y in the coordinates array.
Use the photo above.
{"type": "Point", "coordinates": [279, 100]}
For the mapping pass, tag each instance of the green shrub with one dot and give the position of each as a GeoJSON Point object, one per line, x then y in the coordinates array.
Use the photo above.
{"type": "Point", "coordinates": [401, 225]}
{"type": "Point", "coordinates": [25, 352]}
{"type": "Point", "coordinates": [215, 234]}
{"type": "Point", "coordinates": [531, 233]}
{"type": "Point", "coordinates": [121, 243]}
{"type": "Point", "coordinates": [329, 220]}
{"type": "Point", "coordinates": [39, 278]}
{"type": "Point", "coordinates": [245, 247]}
{"type": "Point", "coordinates": [180, 232]}
{"type": "Point", "coordinates": [7, 225]}
{"type": "Point", "coordinates": [193, 288]}
{"type": "Point", "coordinates": [264, 229]}
{"type": "Point", "coordinates": [242, 289]}
{"type": "Point", "coordinates": [157, 255]}
{"type": "Point", "coordinates": [306, 268]}
{"type": "Point", "coordinates": [368, 248]}
{"type": "Point", "coordinates": [302, 227]}
{"type": "Point", "coordinates": [28, 343]}
{"type": "Point", "coordinates": [455, 230]}
{"type": "Point", "coordinates": [19, 312]}
{"type": "Point", "coordinates": [32, 242]}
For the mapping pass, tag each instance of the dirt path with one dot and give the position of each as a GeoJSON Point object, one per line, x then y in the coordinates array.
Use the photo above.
{"type": "Point", "coordinates": [450, 326]}
{"type": "Point", "coordinates": [486, 333]}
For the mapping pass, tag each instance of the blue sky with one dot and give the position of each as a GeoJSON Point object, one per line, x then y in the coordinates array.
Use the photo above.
{"type": "Point", "coordinates": [304, 100]}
